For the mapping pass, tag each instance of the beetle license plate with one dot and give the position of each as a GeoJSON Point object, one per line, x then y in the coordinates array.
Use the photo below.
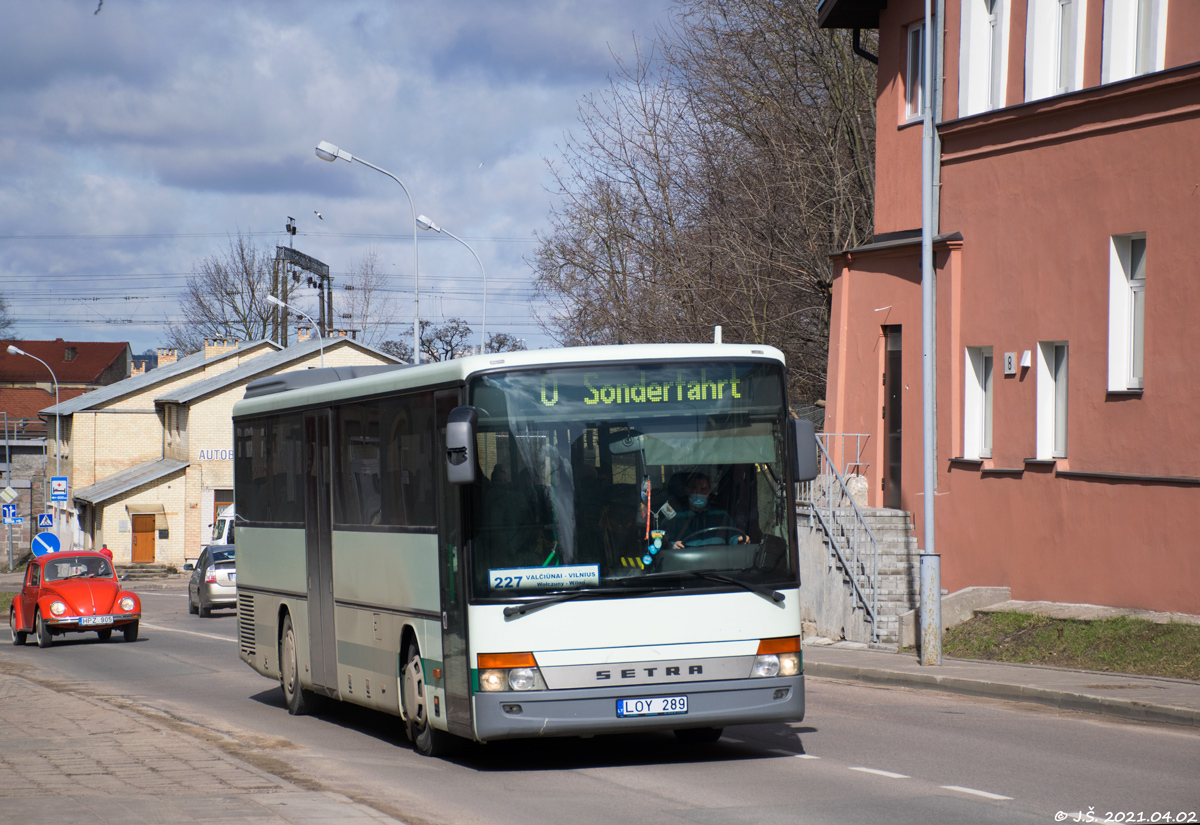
{"type": "Point", "coordinates": [89, 621]}
{"type": "Point", "coordinates": [652, 706]}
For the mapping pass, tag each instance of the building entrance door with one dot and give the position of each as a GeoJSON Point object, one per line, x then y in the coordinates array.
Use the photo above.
{"type": "Point", "coordinates": [143, 538]}
{"type": "Point", "coordinates": [893, 389]}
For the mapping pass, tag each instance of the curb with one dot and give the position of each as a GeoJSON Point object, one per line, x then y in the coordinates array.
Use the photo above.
{"type": "Point", "coordinates": [1065, 700]}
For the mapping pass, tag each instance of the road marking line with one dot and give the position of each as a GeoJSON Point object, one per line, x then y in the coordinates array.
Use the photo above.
{"type": "Point", "coordinates": [190, 633]}
{"type": "Point", "coordinates": [984, 794]}
{"type": "Point", "coordinates": [806, 756]}
{"type": "Point", "coordinates": [878, 772]}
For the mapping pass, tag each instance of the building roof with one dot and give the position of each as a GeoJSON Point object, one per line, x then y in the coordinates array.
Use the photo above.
{"type": "Point", "coordinates": [23, 404]}
{"type": "Point", "coordinates": [126, 480]}
{"type": "Point", "coordinates": [73, 362]}
{"type": "Point", "coordinates": [264, 363]}
{"type": "Point", "coordinates": [136, 383]}
{"type": "Point", "coordinates": [849, 14]}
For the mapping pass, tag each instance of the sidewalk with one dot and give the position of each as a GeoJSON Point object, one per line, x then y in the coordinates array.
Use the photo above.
{"type": "Point", "coordinates": [1145, 698]}
{"type": "Point", "coordinates": [86, 761]}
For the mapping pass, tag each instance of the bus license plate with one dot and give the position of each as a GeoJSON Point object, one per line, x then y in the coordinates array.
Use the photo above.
{"type": "Point", "coordinates": [86, 621]}
{"type": "Point", "coordinates": [652, 706]}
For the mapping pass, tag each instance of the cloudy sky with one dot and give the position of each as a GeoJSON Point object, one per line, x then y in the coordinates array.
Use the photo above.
{"type": "Point", "coordinates": [134, 142]}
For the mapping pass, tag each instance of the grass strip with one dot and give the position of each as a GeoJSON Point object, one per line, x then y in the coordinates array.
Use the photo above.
{"type": "Point", "coordinates": [1118, 645]}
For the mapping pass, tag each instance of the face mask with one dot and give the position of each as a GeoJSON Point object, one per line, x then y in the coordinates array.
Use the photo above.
{"type": "Point", "coordinates": [698, 501]}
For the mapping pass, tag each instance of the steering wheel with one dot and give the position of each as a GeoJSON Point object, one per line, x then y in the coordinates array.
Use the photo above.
{"type": "Point", "coordinates": [721, 528]}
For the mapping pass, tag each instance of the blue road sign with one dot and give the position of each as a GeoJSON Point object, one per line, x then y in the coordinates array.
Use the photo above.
{"type": "Point", "coordinates": [45, 520]}
{"type": "Point", "coordinates": [58, 488]}
{"type": "Point", "coordinates": [44, 543]}
{"type": "Point", "coordinates": [9, 510]}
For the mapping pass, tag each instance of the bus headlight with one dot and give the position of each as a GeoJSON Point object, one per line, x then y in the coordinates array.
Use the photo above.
{"type": "Point", "coordinates": [58, 608]}
{"type": "Point", "coordinates": [509, 671]}
{"type": "Point", "coordinates": [777, 657]}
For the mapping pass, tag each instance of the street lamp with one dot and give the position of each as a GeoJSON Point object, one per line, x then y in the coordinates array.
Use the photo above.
{"type": "Point", "coordinates": [271, 299]}
{"type": "Point", "coordinates": [327, 151]}
{"type": "Point", "coordinates": [426, 224]}
{"type": "Point", "coordinates": [12, 350]}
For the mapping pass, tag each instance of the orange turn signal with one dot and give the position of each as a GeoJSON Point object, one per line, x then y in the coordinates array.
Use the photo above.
{"type": "Point", "coordinates": [785, 644]}
{"type": "Point", "coordinates": [505, 660]}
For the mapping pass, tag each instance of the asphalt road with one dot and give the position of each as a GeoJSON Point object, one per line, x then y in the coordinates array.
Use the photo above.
{"type": "Point", "coordinates": [863, 755]}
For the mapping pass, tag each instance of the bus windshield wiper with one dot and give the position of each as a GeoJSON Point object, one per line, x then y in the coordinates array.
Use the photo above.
{"type": "Point", "coordinates": [524, 607]}
{"type": "Point", "coordinates": [712, 575]}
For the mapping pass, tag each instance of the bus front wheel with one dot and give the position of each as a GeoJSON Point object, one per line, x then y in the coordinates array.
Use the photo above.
{"type": "Point", "coordinates": [427, 740]}
{"type": "Point", "coordinates": [299, 701]}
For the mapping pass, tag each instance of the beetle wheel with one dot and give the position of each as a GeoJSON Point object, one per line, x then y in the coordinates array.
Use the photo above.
{"type": "Point", "coordinates": [44, 636]}
{"type": "Point", "coordinates": [18, 636]}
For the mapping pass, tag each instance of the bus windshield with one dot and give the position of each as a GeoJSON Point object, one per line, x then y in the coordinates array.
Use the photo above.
{"type": "Point", "coordinates": [608, 476]}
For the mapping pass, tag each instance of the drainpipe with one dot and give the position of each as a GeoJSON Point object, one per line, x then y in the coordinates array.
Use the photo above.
{"type": "Point", "coordinates": [856, 45]}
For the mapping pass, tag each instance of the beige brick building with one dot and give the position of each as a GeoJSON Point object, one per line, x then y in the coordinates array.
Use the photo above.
{"type": "Point", "coordinates": [150, 458]}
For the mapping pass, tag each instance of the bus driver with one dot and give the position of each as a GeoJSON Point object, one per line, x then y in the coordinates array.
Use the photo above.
{"type": "Point", "coordinates": [701, 524]}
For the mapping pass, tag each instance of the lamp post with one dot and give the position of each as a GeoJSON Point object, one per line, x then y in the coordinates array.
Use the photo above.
{"type": "Point", "coordinates": [271, 299]}
{"type": "Point", "coordinates": [427, 224]}
{"type": "Point", "coordinates": [12, 350]}
{"type": "Point", "coordinates": [327, 151]}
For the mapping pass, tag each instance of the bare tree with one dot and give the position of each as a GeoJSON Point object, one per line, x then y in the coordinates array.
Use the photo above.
{"type": "Point", "coordinates": [504, 342]}
{"type": "Point", "coordinates": [8, 326]}
{"type": "Point", "coordinates": [371, 310]}
{"type": "Point", "coordinates": [226, 298]}
{"type": "Point", "coordinates": [711, 182]}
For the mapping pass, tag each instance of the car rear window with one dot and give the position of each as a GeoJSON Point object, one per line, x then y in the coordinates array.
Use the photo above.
{"type": "Point", "coordinates": [222, 555]}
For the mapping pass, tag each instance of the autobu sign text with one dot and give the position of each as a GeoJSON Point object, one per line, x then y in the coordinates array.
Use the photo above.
{"type": "Point", "coordinates": [216, 455]}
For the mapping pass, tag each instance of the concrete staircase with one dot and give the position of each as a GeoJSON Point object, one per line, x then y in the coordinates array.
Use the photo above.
{"type": "Point", "coordinates": [142, 572]}
{"type": "Point", "coordinates": [898, 569]}
{"type": "Point", "coordinates": [829, 605]}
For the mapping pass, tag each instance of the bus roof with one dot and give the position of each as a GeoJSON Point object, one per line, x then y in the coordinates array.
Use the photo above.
{"type": "Point", "coordinates": [302, 388]}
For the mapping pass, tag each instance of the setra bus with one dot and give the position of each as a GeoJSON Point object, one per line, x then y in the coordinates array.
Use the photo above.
{"type": "Point", "coordinates": [524, 544]}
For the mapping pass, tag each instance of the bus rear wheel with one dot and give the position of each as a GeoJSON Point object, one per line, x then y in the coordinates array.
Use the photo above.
{"type": "Point", "coordinates": [427, 740]}
{"type": "Point", "coordinates": [299, 701]}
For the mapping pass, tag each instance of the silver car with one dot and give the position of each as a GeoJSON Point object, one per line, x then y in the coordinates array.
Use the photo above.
{"type": "Point", "coordinates": [214, 580]}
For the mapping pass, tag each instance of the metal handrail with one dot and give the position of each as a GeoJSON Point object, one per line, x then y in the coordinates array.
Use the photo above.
{"type": "Point", "coordinates": [832, 516]}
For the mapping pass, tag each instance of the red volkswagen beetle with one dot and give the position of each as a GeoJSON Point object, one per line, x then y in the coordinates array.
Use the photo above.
{"type": "Point", "coordinates": [72, 592]}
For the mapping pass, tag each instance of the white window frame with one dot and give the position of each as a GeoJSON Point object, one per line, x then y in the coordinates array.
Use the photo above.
{"type": "Point", "coordinates": [978, 398]}
{"type": "Point", "coordinates": [1126, 311]}
{"type": "Point", "coordinates": [1135, 39]}
{"type": "Point", "coordinates": [983, 57]}
{"type": "Point", "coordinates": [1054, 45]}
{"type": "Point", "coordinates": [914, 72]}
{"type": "Point", "coordinates": [1052, 395]}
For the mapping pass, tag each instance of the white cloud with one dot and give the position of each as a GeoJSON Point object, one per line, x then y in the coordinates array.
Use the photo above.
{"type": "Point", "coordinates": [137, 140]}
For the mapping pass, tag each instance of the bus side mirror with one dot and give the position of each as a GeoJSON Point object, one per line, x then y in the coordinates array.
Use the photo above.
{"type": "Point", "coordinates": [804, 450]}
{"type": "Point", "coordinates": [460, 445]}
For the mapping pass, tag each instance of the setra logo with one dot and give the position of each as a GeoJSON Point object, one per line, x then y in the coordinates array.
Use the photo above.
{"type": "Point", "coordinates": [649, 672]}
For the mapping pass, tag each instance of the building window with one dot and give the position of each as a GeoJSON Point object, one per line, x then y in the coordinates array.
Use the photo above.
{"type": "Point", "coordinates": [1134, 38]}
{"type": "Point", "coordinates": [1126, 312]}
{"type": "Point", "coordinates": [983, 60]}
{"type": "Point", "coordinates": [1052, 400]}
{"type": "Point", "coordinates": [914, 78]}
{"type": "Point", "coordinates": [1054, 47]}
{"type": "Point", "coordinates": [977, 404]}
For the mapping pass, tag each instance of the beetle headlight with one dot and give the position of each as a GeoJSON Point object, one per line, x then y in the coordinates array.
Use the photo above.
{"type": "Point", "coordinates": [127, 603]}
{"type": "Point", "coordinates": [58, 608]}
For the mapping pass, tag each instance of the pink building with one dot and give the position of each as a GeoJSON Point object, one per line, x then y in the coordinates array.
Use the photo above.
{"type": "Point", "coordinates": [1067, 258]}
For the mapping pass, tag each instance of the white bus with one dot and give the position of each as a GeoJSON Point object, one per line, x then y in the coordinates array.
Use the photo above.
{"type": "Point", "coordinates": [546, 543]}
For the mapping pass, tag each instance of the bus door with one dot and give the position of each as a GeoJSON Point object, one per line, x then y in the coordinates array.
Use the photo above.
{"type": "Point", "coordinates": [452, 569]}
{"type": "Point", "coordinates": [318, 541]}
